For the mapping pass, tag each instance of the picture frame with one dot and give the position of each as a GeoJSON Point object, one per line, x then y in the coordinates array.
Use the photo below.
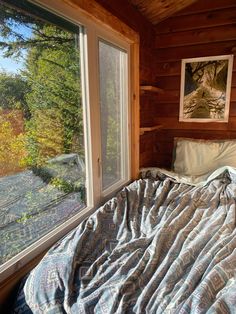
{"type": "Point", "coordinates": [205, 89]}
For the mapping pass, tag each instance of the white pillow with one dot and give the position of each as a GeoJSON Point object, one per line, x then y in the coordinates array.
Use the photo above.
{"type": "Point", "coordinates": [196, 157]}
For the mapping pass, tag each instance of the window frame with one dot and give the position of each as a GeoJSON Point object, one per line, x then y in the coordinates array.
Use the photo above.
{"type": "Point", "coordinates": [89, 81]}
{"type": "Point", "coordinates": [124, 118]}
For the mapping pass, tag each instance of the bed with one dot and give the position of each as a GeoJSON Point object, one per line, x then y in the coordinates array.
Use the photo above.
{"type": "Point", "coordinates": [165, 244]}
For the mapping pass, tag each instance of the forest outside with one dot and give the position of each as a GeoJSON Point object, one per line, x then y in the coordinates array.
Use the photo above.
{"type": "Point", "coordinates": [205, 89]}
{"type": "Point", "coordinates": [41, 111]}
{"type": "Point", "coordinates": [42, 171]}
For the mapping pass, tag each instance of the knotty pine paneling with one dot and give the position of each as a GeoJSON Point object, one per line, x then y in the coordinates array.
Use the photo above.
{"type": "Point", "coordinates": [133, 18]}
{"type": "Point", "coordinates": [204, 7]}
{"type": "Point", "coordinates": [146, 148]}
{"type": "Point", "coordinates": [164, 110]}
{"type": "Point", "coordinates": [173, 95]}
{"type": "Point", "coordinates": [173, 123]}
{"type": "Point", "coordinates": [172, 68]}
{"type": "Point", "coordinates": [155, 11]}
{"type": "Point", "coordinates": [208, 49]}
{"type": "Point", "coordinates": [210, 18]}
{"type": "Point", "coordinates": [206, 28]}
{"type": "Point", "coordinates": [197, 37]}
{"type": "Point", "coordinates": [167, 68]}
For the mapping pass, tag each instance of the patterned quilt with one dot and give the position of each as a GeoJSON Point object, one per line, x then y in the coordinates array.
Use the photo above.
{"type": "Point", "coordinates": [159, 246]}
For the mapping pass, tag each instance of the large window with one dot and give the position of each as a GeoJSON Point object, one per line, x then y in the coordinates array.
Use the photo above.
{"type": "Point", "coordinates": [114, 111]}
{"type": "Point", "coordinates": [48, 151]}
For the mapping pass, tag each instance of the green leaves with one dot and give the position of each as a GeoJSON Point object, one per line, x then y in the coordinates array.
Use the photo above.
{"type": "Point", "coordinates": [47, 89]}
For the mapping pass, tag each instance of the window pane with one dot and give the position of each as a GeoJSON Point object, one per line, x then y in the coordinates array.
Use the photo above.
{"type": "Point", "coordinates": [111, 70]}
{"type": "Point", "coordinates": [42, 171]}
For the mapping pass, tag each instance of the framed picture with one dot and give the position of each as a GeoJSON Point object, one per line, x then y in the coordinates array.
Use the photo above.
{"type": "Point", "coordinates": [205, 89]}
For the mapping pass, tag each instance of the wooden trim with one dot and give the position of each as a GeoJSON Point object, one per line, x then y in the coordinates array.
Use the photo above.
{"type": "Point", "coordinates": [128, 14]}
{"type": "Point", "coordinates": [135, 111]}
{"type": "Point", "coordinates": [95, 12]}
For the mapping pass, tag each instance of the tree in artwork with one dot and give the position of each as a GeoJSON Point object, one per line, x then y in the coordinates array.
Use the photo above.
{"type": "Point", "coordinates": [204, 93]}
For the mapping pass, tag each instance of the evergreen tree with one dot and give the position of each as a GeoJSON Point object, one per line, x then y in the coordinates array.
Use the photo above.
{"type": "Point", "coordinates": [48, 86]}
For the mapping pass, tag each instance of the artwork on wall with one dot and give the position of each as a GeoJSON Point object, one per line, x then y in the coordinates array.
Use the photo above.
{"type": "Point", "coordinates": [205, 89]}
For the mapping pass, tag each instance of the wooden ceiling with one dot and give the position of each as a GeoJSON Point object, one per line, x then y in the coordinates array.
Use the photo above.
{"type": "Point", "coordinates": [158, 10]}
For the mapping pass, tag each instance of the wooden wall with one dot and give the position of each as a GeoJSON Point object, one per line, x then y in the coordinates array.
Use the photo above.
{"type": "Point", "coordinates": [206, 28]}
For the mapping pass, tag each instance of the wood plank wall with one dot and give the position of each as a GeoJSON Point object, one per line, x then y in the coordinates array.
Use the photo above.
{"type": "Point", "coordinates": [133, 18]}
{"type": "Point", "coordinates": [206, 28]}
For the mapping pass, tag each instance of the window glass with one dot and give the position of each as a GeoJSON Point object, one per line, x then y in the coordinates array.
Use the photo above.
{"type": "Point", "coordinates": [42, 164]}
{"type": "Point", "coordinates": [112, 62]}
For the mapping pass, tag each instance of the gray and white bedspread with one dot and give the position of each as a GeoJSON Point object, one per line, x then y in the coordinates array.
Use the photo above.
{"type": "Point", "coordinates": [158, 247]}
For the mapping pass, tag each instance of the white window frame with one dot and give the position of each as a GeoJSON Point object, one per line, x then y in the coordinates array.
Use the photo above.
{"type": "Point", "coordinates": [90, 94]}
{"type": "Point", "coordinates": [125, 125]}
